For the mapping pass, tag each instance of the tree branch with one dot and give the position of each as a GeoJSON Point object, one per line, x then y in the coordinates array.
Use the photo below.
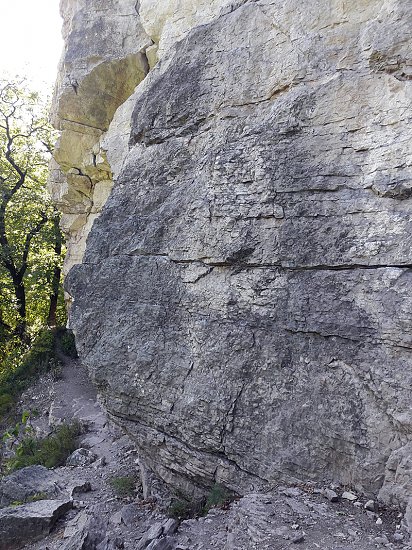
{"type": "Point", "coordinates": [34, 231]}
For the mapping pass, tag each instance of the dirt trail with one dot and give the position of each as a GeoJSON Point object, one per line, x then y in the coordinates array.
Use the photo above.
{"type": "Point", "coordinates": [286, 517]}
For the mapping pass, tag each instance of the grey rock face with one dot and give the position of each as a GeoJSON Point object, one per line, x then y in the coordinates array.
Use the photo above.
{"type": "Point", "coordinates": [244, 302]}
{"type": "Point", "coordinates": [28, 482]}
{"type": "Point", "coordinates": [21, 525]}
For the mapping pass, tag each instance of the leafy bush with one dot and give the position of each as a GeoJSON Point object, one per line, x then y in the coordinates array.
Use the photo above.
{"type": "Point", "coordinates": [218, 497]}
{"type": "Point", "coordinates": [185, 509]}
{"type": "Point", "coordinates": [50, 451]}
{"type": "Point", "coordinates": [26, 367]}
{"type": "Point", "coordinates": [123, 486]}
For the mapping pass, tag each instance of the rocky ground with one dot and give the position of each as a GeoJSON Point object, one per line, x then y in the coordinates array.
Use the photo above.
{"type": "Point", "coordinates": [79, 509]}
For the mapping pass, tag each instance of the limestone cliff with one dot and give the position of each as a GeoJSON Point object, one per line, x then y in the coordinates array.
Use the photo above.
{"type": "Point", "coordinates": [244, 300]}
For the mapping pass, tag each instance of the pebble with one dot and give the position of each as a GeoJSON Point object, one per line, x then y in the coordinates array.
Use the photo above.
{"type": "Point", "coordinates": [299, 538]}
{"type": "Point", "coordinates": [381, 540]}
{"type": "Point", "coordinates": [330, 495]}
{"type": "Point", "coordinates": [349, 496]}
{"type": "Point", "coordinates": [370, 505]}
{"type": "Point", "coordinates": [292, 492]}
{"type": "Point", "coordinates": [378, 521]}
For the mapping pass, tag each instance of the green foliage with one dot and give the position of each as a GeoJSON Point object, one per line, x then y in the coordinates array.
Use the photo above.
{"type": "Point", "coordinates": [68, 344]}
{"type": "Point", "coordinates": [123, 486]}
{"type": "Point", "coordinates": [37, 496]}
{"type": "Point", "coordinates": [31, 250]}
{"type": "Point", "coordinates": [183, 508]}
{"type": "Point", "coordinates": [218, 497]}
{"type": "Point", "coordinates": [32, 498]}
{"type": "Point", "coordinates": [19, 372]}
{"type": "Point", "coordinates": [50, 451]}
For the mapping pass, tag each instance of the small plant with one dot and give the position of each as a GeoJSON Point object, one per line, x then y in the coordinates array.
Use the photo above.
{"type": "Point", "coordinates": [37, 496]}
{"type": "Point", "coordinates": [123, 486]}
{"type": "Point", "coordinates": [32, 498]}
{"type": "Point", "coordinates": [219, 497]}
{"type": "Point", "coordinates": [183, 508]}
{"type": "Point", "coordinates": [20, 430]}
{"type": "Point", "coordinates": [50, 451]}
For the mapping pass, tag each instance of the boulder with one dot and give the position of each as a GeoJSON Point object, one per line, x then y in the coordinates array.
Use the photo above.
{"type": "Point", "coordinates": [29, 482]}
{"type": "Point", "coordinates": [21, 525]}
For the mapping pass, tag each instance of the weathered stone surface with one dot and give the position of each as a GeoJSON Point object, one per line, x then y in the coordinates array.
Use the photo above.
{"type": "Point", "coordinates": [397, 486]}
{"type": "Point", "coordinates": [28, 482]}
{"type": "Point", "coordinates": [37, 482]}
{"type": "Point", "coordinates": [90, 533]}
{"type": "Point", "coordinates": [244, 301]}
{"type": "Point", "coordinates": [21, 525]}
{"type": "Point", "coordinates": [169, 21]}
{"type": "Point", "coordinates": [81, 457]}
{"type": "Point", "coordinates": [103, 61]}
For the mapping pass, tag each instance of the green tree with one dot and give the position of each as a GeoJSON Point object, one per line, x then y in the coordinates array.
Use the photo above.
{"type": "Point", "coordinates": [30, 239]}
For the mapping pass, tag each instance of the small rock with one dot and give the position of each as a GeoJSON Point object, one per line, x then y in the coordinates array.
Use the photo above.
{"type": "Point", "coordinates": [153, 533]}
{"type": "Point", "coordinates": [90, 534]}
{"type": "Point", "coordinates": [381, 540]}
{"type": "Point", "coordinates": [170, 526]}
{"type": "Point", "coordinates": [398, 537]}
{"type": "Point", "coordinates": [298, 538]}
{"type": "Point", "coordinates": [292, 492]}
{"type": "Point", "coordinates": [371, 515]}
{"type": "Point", "coordinates": [295, 526]}
{"type": "Point", "coordinates": [75, 525]}
{"type": "Point", "coordinates": [109, 544]}
{"type": "Point", "coordinates": [357, 504]}
{"type": "Point", "coordinates": [370, 505]}
{"type": "Point", "coordinates": [79, 504]}
{"type": "Point", "coordinates": [79, 488]}
{"type": "Point", "coordinates": [127, 515]}
{"type": "Point", "coordinates": [81, 457]}
{"type": "Point", "coordinates": [330, 495]}
{"type": "Point", "coordinates": [349, 496]}
{"type": "Point", "coordinates": [378, 521]}
{"type": "Point", "coordinates": [99, 463]}
{"type": "Point", "coordinates": [161, 544]}
{"type": "Point", "coordinates": [298, 507]}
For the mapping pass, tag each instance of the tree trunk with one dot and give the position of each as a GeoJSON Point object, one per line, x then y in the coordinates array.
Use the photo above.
{"type": "Point", "coordinates": [20, 294]}
{"type": "Point", "coordinates": [55, 283]}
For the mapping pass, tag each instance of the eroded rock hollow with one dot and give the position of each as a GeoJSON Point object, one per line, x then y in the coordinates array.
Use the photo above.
{"type": "Point", "coordinates": [244, 299]}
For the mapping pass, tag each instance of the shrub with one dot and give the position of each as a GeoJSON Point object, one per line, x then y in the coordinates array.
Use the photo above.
{"type": "Point", "coordinates": [123, 486]}
{"type": "Point", "coordinates": [218, 497]}
{"type": "Point", "coordinates": [183, 508]}
{"type": "Point", "coordinates": [37, 360]}
{"type": "Point", "coordinates": [50, 451]}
